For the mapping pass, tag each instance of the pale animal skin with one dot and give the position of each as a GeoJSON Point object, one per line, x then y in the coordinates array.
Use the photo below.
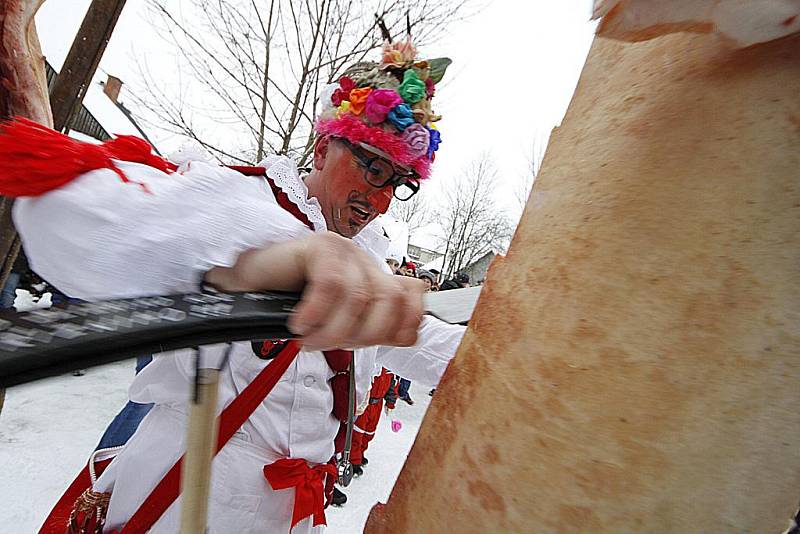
{"type": "Point", "coordinates": [633, 364]}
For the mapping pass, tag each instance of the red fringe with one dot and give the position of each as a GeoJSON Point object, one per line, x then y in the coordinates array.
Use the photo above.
{"type": "Point", "coordinates": [35, 159]}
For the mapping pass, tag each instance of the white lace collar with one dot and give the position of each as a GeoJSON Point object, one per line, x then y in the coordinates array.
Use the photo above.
{"type": "Point", "coordinates": [285, 175]}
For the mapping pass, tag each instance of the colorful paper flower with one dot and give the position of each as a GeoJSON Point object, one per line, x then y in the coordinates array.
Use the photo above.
{"type": "Point", "coordinates": [435, 140]}
{"type": "Point", "coordinates": [430, 88]}
{"type": "Point", "coordinates": [418, 139]}
{"type": "Point", "coordinates": [401, 117]}
{"type": "Point", "coordinates": [396, 92]}
{"type": "Point", "coordinates": [412, 89]}
{"type": "Point", "coordinates": [422, 70]}
{"type": "Point", "coordinates": [343, 108]}
{"type": "Point", "coordinates": [379, 103]}
{"type": "Point", "coordinates": [358, 99]}
{"type": "Point", "coordinates": [423, 113]}
{"type": "Point", "coordinates": [326, 95]}
{"type": "Point", "coordinates": [398, 53]}
{"type": "Point", "coordinates": [343, 93]}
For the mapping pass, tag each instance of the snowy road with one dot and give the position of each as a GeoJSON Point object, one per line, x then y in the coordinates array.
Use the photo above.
{"type": "Point", "coordinates": [48, 428]}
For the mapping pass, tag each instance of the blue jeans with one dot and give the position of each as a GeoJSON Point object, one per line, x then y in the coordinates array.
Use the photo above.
{"type": "Point", "coordinates": [10, 291]}
{"type": "Point", "coordinates": [127, 420]}
{"type": "Point", "coordinates": [402, 389]}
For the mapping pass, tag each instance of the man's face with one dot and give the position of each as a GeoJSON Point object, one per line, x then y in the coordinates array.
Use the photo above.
{"type": "Point", "coordinates": [348, 202]}
{"type": "Point", "coordinates": [393, 264]}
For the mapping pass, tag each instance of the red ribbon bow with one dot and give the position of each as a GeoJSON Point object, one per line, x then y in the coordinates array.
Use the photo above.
{"type": "Point", "coordinates": [309, 485]}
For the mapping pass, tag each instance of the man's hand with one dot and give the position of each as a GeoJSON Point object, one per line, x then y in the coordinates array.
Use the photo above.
{"type": "Point", "coordinates": [347, 301]}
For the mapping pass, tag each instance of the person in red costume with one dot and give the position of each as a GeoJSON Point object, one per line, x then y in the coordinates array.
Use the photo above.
{"type": "Point", "coordinates": [384, 389]}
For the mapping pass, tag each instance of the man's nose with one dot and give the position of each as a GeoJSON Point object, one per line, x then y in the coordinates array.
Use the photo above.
{"type": "Point", "coordinates": [381, 199]}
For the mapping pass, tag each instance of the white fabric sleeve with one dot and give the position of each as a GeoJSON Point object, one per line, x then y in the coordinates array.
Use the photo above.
{"type": "Point", "coordinates": [100, 238]}
{"type": "Point", "coordinates": [165, 380]}
{"type": "Point", "coordinates": [427, 360]}
{"type": "Point", "coordinates": [169, 378]}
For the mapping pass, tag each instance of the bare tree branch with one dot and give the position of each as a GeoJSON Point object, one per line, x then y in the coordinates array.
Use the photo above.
{"type": "Point", "coordinates": [250, 71]}
{"type": "Point", "coordinates": [414, 212]}
{"type": "Point", "coordinates": [471, 222]}
{"type": "Point", "coordinates": [523, 189]}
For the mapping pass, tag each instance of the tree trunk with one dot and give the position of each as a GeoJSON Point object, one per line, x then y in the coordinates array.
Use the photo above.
{"type": "Point", "coordinates": [634, 361]}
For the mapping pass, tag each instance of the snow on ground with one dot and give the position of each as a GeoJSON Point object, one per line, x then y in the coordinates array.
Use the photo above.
{"type": "Point", "coordinates": [47, 431]}
{"type": "Point", "coordinates": [386, 454]}
{"type": "Point", "coordinates": [48, 428]}
{"type": "Point", "coordinates": [24, 301]}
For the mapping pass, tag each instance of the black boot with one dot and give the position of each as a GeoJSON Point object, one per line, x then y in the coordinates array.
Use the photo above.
{"type": "Point", "coordinates": [364, 461]}
{"type": "Point", "coordinates": [357, 471]}
{"type": "Point", "coordinates": [339, 498]}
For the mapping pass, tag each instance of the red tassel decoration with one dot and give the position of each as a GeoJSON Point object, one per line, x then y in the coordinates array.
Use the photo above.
{"type": "Point", "coordinates": [35, 159]}
{"type": "Point", "coordinates": [89, 514]}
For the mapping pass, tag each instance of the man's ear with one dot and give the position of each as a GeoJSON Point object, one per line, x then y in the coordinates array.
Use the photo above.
{"type": "Point", "coordinates": [321, 146]}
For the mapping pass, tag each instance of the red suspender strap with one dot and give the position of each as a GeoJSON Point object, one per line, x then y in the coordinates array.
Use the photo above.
{"type": "Point", "coordinates": [231, 419]}
{"type": "Point", "coordinates": [288, 205]}
{"type": "Point", "coordinates": [249, 171]}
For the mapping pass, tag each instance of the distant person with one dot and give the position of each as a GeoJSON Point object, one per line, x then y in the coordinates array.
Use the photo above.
{"type": "Point", "coordinates": [393, 264]}
{"type": "Point", "coordinates": [384, 389]}
{"type": "Point", "coordinates": [339, 497]}
{"type": "Point", "coordinates": [402, 391]}
{"type": "Point", "coordinates": [429, 279]}
{"type": "Point", "coordinates": [460, 280]}
{"type": "Point", "coordinates": [403, 268]}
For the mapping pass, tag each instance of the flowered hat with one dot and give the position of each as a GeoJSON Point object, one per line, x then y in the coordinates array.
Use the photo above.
{"type": "Point", "coordinates": [387, 105]}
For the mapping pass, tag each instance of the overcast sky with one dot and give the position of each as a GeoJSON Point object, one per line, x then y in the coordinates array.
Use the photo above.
{"type": "Point", "coordinates": [515, 69]}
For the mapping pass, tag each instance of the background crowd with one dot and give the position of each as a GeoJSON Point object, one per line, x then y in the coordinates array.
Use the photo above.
{"type": "Point", "coordinates": [429, 277]}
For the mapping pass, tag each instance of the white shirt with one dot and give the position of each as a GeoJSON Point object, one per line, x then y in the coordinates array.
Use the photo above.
{"type": "Point", "coordinates": [99, 238]}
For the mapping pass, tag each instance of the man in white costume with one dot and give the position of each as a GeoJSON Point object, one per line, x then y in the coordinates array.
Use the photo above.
{"type": "Point", "coordinates": [131, 229]}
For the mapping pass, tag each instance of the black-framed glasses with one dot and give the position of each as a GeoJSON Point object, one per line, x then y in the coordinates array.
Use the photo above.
{"type": "Point", "coordinates": [379, 172]}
